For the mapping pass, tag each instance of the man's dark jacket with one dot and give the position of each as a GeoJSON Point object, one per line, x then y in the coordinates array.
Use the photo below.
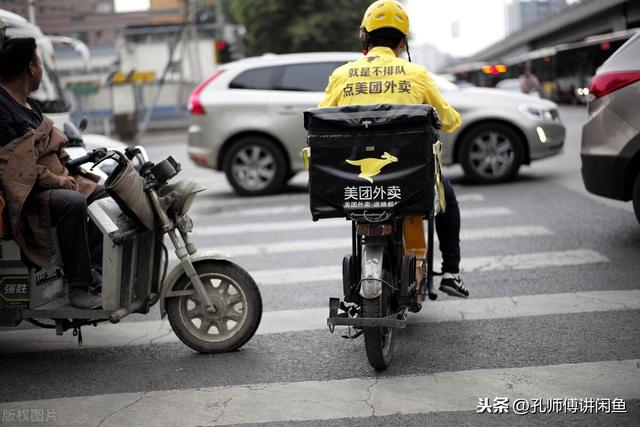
{"type": "Point", "coordinates": [30, 167]}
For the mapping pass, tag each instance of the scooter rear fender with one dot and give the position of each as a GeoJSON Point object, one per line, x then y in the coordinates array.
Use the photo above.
{"type": "Point", "coordinates": [178, 271]}
{"type": "Point", "coordinates": [372, 262]}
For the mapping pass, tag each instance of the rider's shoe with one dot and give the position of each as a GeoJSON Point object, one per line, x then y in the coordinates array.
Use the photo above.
{"type": "Point", "coordinates": [453, 285]}
{"type": "Point", "coordinates": [84, 299]}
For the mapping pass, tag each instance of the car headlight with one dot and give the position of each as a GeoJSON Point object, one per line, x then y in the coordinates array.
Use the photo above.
{"type": "Point", "coordinates": [539, 112]}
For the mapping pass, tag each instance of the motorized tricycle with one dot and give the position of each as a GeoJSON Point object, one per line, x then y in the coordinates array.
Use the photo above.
{"type": "Point", "coordinates": [213, 305]}
{"type": "Point", "coordinates": [377, 167]}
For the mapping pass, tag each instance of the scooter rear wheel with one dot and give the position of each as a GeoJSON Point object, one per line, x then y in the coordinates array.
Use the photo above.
{"type": "Point", "coordinates": [378, 341]}
{"type": "Point", "coordinates": [237, 303]}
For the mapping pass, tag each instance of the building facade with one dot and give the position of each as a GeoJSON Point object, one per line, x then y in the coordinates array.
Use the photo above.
{"type": "Point", "coordinates": [521, 13]}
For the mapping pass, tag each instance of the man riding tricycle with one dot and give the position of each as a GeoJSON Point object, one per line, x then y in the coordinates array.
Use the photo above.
{"type": "Point", "coordinates": [213, 305]}
{"type": "Point", "coordinates": [60, 269]}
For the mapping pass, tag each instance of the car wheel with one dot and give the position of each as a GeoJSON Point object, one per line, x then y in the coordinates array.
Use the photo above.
{"type": "Point", "coordinates": [636, 197]}
{"type": "Point", "coordinates": [491, 152]}
{"type": "Point", "coordinates": [255, 166]}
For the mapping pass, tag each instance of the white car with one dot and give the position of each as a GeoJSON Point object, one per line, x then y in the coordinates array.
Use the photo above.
{"type": "Point", "coordinates": [247, 121]}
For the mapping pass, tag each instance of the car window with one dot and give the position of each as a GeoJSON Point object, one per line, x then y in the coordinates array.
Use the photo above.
{"type": "Point", "coordinates": [256, 79]}
{"type": "Point", "coordinates": [625, 58]}
{"type": "Point", "coordinates": [306, 77]}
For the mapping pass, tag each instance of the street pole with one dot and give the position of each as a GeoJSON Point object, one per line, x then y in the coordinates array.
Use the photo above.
{"type": "Point", "coordinates": [220, 20]}
{"type": "Point", "coordinates": [32, 11]}
{"type": "Point", "coordinates": [180, 39]}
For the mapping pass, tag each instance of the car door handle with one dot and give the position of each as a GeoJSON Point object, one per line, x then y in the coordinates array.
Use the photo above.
{"type": "Point", "coordinates": [288, 110]}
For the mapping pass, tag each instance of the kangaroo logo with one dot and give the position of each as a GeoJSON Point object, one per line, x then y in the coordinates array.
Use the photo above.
{"type": "Point", "coordinates": [371, 167]}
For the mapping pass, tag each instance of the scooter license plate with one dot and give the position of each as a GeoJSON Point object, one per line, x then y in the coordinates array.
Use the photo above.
{"type": "Point", "coordinates": [14, 292]}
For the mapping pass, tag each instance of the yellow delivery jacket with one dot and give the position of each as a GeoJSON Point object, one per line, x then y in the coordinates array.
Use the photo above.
{"type": "Point", "coordinates": [382, 78]}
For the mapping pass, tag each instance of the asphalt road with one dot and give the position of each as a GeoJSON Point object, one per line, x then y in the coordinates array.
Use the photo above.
{"type": "Point", "coordinates": [554, 313]}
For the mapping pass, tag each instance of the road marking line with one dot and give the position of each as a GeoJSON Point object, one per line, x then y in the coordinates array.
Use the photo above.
{"type": "Point", "coordinates": [209, 202]}
{"type": "Point", "coordinates": [288, 276]}
{"type": "Point", "coordinates": [506, 262]}
{"type": "Point", "coordinates": [504, 232]}
{"type": "Point", "coordinates": [282, 247]}
{"type": "Point", "coordinates": [533, 260]}
{"type": "Point", "coordinates": [303, 208]}
{"type": "Point", "coordinates": [274, 322]}
{"type": "Point", "coordinates": [265, 227]}
{"type": "Point", "coordinates": [345, 243]}
{"type": "Point", "coordinates": [266, 211]}
{"type": "Point", "coordinates": [454, 391]}
{"type": "Point", "coordinates": [484, 212]}
{"type": "Point", "coordinates": [471, 197]}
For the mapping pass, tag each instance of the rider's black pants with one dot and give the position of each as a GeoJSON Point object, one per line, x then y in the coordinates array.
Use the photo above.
{"type": "Point", "coordinates": [79, 239]}
{"type": "Point", "coordinates": [448, 229]}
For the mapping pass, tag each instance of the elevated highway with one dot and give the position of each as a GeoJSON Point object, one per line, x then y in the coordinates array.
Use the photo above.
{"type": "Point", "coordinates": [583, 19]}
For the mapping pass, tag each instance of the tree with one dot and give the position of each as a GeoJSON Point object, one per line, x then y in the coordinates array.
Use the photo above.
{"type": "Point", "coordinates": [285, 26]}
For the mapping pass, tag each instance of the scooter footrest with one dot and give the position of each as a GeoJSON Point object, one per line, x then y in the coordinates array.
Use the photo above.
{"type": "Point", "coordinates": [334, 305]}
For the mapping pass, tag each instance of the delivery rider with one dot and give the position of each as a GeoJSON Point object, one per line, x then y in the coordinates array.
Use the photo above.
{"type": "Point", "coordinates": [381, 77]}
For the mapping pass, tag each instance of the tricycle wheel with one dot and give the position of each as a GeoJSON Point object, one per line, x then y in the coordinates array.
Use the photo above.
{"type": "Point", "coordinates": [378, 341]}
{"type": "Point", "coordinates": [237, 304]}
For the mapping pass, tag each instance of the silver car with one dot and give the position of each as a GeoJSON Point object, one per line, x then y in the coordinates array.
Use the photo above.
{"type": "Point", "coordinates": [247, 122]}
{"type": "Point", "coordinates": [611, 135]}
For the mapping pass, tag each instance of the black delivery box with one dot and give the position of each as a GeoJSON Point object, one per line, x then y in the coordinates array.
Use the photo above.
{"type": "Point", "coordinates": [371, 158]}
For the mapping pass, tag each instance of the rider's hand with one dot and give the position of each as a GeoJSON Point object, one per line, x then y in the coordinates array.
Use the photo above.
{"type": "Point", "coordinates": [67, 183]}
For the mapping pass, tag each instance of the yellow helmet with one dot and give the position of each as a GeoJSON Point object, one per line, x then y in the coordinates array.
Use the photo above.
{"type": "Point", "coordinates": [386, 14]}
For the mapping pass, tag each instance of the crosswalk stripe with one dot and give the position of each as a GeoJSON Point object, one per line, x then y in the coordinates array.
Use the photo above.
{"type": "Point", "coordinates": [533, 260]}
{"type": "Point", "coordinates": [504, 232]}
{"type": "Point", "coordinates": [221, 203]}
{"type": "Point", "coordinates": [471, 197]}
{"type": "Point", "coordinates": [453, 391]}
{"type": "Point", "coordinates": [265, 227]}
{"type": "Point", "coordinates": [287, 276]}
{"type": "Point", "coordinates": [274, 322]}
{"type": "Point", "coordinates": [485, 212]}
{"type": "Point", "coordinates": [210, 202]}
{"type": "Point", "coordinates": [265, 211]}
{"type": "Point", "coordinates": [282, 247]}
{"type": "Point", "coordinates": [494, 263]}
{"type": "Point", "coordinates": [345, 243]}
{"type": "Point", "coordinates": [304, 208]}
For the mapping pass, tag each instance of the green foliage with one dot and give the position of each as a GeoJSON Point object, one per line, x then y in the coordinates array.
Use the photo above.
{"type": "Point", "coordinates": [285, 26]}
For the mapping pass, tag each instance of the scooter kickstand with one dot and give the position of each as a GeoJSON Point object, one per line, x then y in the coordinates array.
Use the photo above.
{"type": "Point", "coordinates": [77, 332]}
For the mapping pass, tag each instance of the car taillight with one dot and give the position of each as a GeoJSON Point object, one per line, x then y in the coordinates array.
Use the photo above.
{"type": "Point", "coordinates": [606, 83]}
{"type": "Point", "coordinates": [195, 106]}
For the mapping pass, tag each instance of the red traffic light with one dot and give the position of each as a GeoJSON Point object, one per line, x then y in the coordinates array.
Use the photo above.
{"type": "Point", "coordinates": [494, 69]}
